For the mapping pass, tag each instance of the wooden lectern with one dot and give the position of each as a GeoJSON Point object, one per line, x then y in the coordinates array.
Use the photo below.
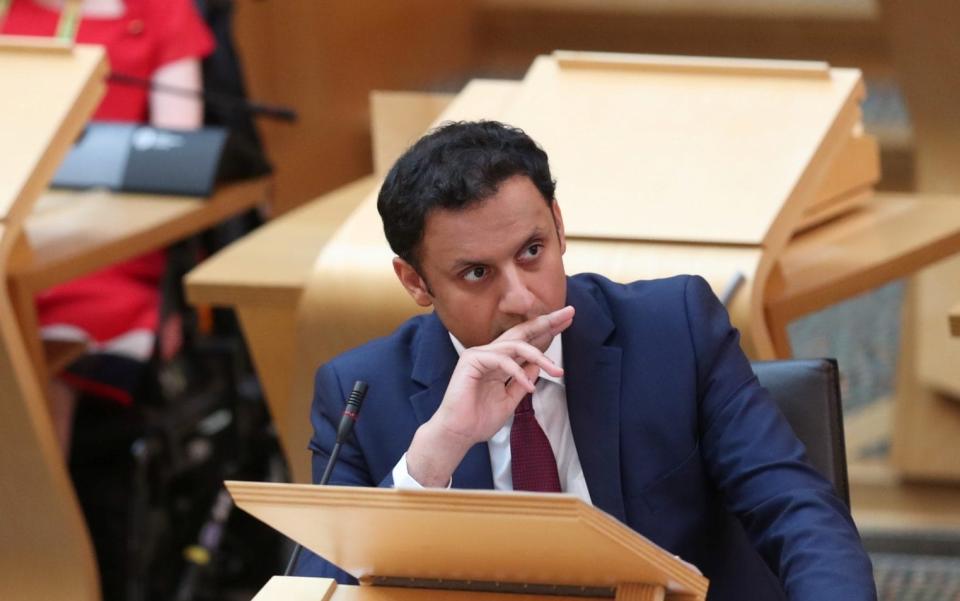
{"type": "Point", "coordinates": [467, 545]}
{"type": "Point", "coordinates": [50, 91]}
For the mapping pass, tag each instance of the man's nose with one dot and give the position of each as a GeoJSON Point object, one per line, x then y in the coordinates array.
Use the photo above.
{"type": "Point", "coordinates": [516, 298]}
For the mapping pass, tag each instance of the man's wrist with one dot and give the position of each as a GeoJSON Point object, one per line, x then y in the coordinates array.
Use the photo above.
{"type": "Point", "coordinates": [433, 456]}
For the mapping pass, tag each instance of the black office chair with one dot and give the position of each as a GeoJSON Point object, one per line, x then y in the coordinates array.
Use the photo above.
{"type": "Point", "coordinates": [808, 393]}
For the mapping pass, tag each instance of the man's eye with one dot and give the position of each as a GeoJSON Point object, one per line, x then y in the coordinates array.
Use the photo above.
{"type": "Point", "coordinates": [532, 251]}
{"type": "Point", "coordinates": [475, 274]}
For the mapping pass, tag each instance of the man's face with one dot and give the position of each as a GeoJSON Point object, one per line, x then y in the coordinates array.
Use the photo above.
{"type": "Point", "coordinates": [490, 266]}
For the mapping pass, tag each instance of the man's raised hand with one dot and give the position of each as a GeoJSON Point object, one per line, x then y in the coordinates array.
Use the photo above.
{"type": "Point", "coordinates": [485, 388]}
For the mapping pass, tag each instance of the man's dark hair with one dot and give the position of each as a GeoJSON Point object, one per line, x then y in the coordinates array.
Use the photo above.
{"type": "Point", "coordinates": [452, 167]}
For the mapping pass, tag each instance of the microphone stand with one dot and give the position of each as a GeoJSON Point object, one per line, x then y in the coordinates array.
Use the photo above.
{"type": "Point", "coordinates": [272, 111]}
{"type": "Point", "coordinates": [349, 418]}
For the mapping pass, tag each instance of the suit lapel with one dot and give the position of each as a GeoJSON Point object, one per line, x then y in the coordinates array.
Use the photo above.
{"type": "Point", "coordinates": [433, 364]}
{"type": "Point", "coordinates": [592, 377]}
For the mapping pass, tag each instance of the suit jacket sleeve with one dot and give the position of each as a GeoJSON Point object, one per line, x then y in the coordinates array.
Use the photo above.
{"type": "Point", "coordinates": [790, 513]}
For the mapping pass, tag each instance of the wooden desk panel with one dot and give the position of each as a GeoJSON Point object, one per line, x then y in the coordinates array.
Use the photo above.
{"type": "Point", "coordinates": [62, 86]}
{"type": "Point", "coordinates": [367, 531]}
{"type": "Point", "coordinates": [74, 233]}
{"type": "Point", "coordinates": [71, 234]}
{"type": "Point", "coordinates": [892, 236]}
{"type": "Point", "coordinates": [50, 89]}
{"type": "Point", "coordinates": [671, 144]}
{"type": "Point", "coordinates": [269, 266]}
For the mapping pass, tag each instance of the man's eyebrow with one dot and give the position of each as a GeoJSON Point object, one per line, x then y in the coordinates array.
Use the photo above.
{"type": "Point", "coordinates": [535, 235]}
{"type": "Point", "coordinates": [463, 263]}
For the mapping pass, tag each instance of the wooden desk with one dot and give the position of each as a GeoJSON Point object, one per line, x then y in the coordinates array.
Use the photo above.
{"type": "Point", "coordinates": [892, 236]}
{"type": "Point", "coordinates": [955, 320]}
{"type": "Point", "coordinates": [70, 234]}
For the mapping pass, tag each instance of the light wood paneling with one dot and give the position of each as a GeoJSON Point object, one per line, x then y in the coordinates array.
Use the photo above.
{"type": "Point", "coordinates": [857, 164]}
{"type": "Point", "coordinates": [672, 144]}
{"type": "Point", "coordinates": [74, 233]}
{"type": "Point", "coordinates": [512, 34]}
{"type": "Point", "coordinates": [271, 332]}
{"type": "Point", "coordinates": [270, 265]}
{"type": "Point", "coordinates": [891, 236]}
{"type": "Point", "coordinates": [640, 592]}
{"type": "Point", "coordinates": [45, 549]}
{"type": "Point", "coordinates": [937, 352]}
{"type": "Point", "coordinates": [927, 57]}
{"type": "Point", "coordinates": [297, 588]}
{"type": "Point", "coordinates": [882, 499]}
{"type": "Point", "coordinates": [398, 119]}
{"type": "Point", "coordinates": [292, 588]}
{"type": "Point", "coordinates": [926, 421]}
{"type": "Point", "coordinates": [39, 123]}
{"type": "Point", "coordinates": [324, 58]}
{"type": "Point", "coordinates": [367, 532]}
{"type": "Point", "coordinates": [923, 35]}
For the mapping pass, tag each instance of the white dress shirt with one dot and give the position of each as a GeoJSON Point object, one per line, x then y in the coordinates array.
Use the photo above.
{"type": "Point", "coordinates": [550, 410]}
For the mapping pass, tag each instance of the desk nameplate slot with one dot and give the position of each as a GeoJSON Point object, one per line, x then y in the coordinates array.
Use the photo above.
{"type": "Point", "coordinates": [480, 586]}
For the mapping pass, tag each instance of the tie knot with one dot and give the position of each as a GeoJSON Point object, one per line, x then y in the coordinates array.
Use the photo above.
{"type": "Point", "coordinates": [525, 406]}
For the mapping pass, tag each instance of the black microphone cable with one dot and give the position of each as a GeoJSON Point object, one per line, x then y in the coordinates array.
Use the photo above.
{"type": "Point", "coordinates": [278, 112]}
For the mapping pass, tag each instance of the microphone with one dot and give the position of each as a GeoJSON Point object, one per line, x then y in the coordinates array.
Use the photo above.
{"type": "Point", "coordinates": [352, 410]}
{"type": "Point", "coordinates": [347, 421]}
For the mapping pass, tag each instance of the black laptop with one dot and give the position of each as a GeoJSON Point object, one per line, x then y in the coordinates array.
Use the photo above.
{"type": "Point", "coordinates": [129, 157]}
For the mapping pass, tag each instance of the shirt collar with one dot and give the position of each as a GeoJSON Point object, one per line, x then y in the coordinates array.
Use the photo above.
{"type": "Point", "coordinates": [554, 353]}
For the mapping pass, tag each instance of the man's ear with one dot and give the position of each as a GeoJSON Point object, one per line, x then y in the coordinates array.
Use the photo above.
{"type": "Point", "coordinates": [415, 286]}
{"type": "Point", "coordinates": [558, 222]}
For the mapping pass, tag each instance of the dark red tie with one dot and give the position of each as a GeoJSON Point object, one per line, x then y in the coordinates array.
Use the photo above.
{"type": "Point", "coordinates": [531, 459]}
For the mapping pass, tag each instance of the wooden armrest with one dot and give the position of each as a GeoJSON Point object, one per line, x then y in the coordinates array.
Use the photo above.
{"type": "Point", "coordinates": [890, 237]}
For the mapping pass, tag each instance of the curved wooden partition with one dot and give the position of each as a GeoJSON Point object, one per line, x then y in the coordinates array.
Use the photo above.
{"type": "Point", "coordinates": [664, 165]}
{"type": "Point", "coordinates": [45, 549]}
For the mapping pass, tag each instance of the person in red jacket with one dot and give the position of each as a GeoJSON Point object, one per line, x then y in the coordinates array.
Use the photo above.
{"type": "Point", "coordinates": [116, 311]}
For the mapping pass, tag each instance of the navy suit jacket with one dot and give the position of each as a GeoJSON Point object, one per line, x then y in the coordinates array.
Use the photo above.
{"type": "Point", "coordinates": [676, 438]}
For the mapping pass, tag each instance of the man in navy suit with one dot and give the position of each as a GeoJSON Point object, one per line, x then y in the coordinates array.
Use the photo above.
{"type": "Point", "coordinates": [636, 398]}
